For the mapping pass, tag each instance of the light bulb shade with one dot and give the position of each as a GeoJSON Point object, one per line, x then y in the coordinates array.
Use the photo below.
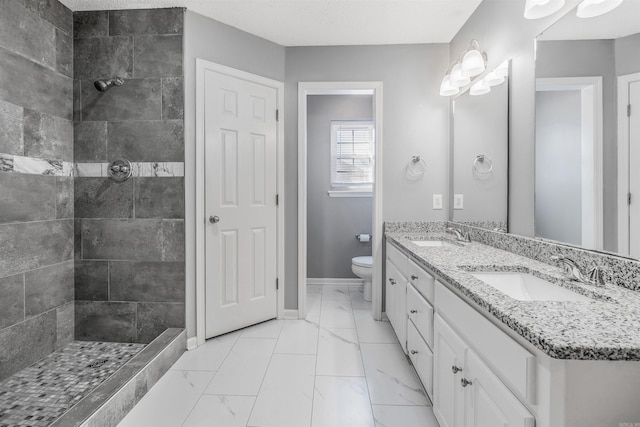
{"type": "Point", "coordinates": [493, 78]}
{"type": "Point", "coordinates": [458, 78]}
{"type": "Point", "coordinates": [503, 69]}
{"type": "Point", "coordinates": [472, 63]}
{"type": "Point", "coordinates": [591, 8]}
{"type": "Point", "coordinates": [446, 89]}
{"type": "Point", "coordinates": [480, 88]}
{"type": "Point", "coordinates": [534, 9]}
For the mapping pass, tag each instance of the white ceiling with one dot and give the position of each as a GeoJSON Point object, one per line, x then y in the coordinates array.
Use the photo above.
{"type": "Point", "coordinates": [322, 22]}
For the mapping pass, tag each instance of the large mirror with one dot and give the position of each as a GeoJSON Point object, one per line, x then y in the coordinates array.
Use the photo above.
{"type": "Point", "coordinates": [479, 154]}
{"type": "Point", "coordinates": [586, 69]}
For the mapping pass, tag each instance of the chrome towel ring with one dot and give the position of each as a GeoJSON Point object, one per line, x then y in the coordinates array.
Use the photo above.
{"type": "Point", "coordinates": [482, 165]}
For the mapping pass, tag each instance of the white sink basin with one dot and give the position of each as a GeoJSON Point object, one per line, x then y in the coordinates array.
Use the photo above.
{"type": "Point", "coordinates": [527, 287]}
{"type": "Point", "coordinates": [433, 243]}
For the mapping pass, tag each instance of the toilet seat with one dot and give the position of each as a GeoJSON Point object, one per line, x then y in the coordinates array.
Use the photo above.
{"type": "Point", "coordinates": [362, 261]}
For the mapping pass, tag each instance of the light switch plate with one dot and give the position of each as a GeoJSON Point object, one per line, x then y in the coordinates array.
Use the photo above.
{"type": "Point", "coordinates": [437, 201]}
{"type": "Point", "coordinates": [458, 201]}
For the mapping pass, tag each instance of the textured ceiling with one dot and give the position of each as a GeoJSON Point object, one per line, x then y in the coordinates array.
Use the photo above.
{"type": "Point", "coordinates": [322, 22]}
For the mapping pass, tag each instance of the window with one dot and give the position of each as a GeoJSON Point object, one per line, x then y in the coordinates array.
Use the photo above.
{"type": "Point", "coordinates": [352, 155]}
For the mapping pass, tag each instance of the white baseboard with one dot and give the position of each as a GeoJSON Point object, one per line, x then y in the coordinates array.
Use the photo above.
{"type": "Point", "coordinates": [291, 314]}
{"type": "Point", "coordinates": [333, 281]}
{"type": "Point", "coordinates": [192, 343]}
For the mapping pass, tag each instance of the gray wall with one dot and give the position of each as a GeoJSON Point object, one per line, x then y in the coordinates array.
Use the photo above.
{"type": "Point", "coordinates": [558, 213]}
{"type": "Point", "coordinates": [626, 53]}
{"type": "Point", "coordinates": [503, 33]}
{"type": "Point", "coordinates": [333, 222]}
{"type": "Point", "coordinates": [415, 120]}
{"type": "Point", "coordinates": [129, 270]}
{"type": "Point", "coordinates": [208, 39]}
{"type": "Point", "coordinates": [581, 58]}
{"type": "Point", "coordinates": [36, 210]}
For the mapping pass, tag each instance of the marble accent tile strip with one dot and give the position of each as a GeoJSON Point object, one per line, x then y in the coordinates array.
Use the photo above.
{"type": "Point", "coordinates": [139, 169]}
{"type": "Point", "coordinates": [33, 166]}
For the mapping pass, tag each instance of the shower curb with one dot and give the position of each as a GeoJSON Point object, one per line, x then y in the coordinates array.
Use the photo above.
{"type": "Point", "coordinates": [110, 402]}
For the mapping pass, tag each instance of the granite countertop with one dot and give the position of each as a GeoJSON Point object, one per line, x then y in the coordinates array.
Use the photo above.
{"type": "Point", "coordinates": [604, 328]}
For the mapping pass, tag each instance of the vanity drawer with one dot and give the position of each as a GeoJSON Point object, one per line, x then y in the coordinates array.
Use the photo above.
{"type": "Point", "coordinates": [509, 360]}
{"type": "Point", "coordinates": [422, 280]}
{"type": "Point", "coordinates": [398, 259]}
{"type": "Point", "coordinates": [422, 358]}
{"type": "Point", "coordinates": [421, 314]}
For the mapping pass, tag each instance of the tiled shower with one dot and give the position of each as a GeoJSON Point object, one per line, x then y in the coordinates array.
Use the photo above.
{"type": "Point", "coordinates": [83, 257]}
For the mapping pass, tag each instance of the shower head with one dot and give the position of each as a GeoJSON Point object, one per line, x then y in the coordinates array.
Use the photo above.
{"type": "Point", "coordinates": [105, 85]}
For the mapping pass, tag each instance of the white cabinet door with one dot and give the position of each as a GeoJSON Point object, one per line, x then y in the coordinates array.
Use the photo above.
{"type": "Point", "coordinates": [421, 357]}
{"type": "Point", "coordinates": [488, 402]}
{"type": "Point", "coordinates": [448, 394]}
{"type": "Point", "coordinates": [396, 303]}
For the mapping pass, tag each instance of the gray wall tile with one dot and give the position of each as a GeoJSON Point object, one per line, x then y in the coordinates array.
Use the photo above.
{"type": "Point", "coordinates": [77, 101]}
{"type": "Point", "coordinates": [122, 239]}
{"type": "Point", "coordinates": [48, 287]}
{"type": "Point", "coordinates": [64, 197]}
{"type": "Point", "coordinates": [65, 332]}
{"type": "Point", "coordinates": [146, 281]}
{"type": "Point", "coordinates": [91, 280]}
{"type": "Point", "coordinates": [77, 239]}
{"type": "Point", "coordinates": [150, 141]}
{"type": "Point", "coordinates": [27, 197]}
{"type": "Point", "coordinates": [31, 85]}
{"type": "Point", "coordinates": [55, 13]}
{"type": "Point", "coordinates": [157, 56]}
{"type": "Point", "coordinates": [26, 246]}
{"type": "Point", "coordinates": [47, 136]}
{"type": "Point", "coordinates": [91, 24]}
{"type": "Point", "coordinates": [105, 321]}
{"type": "Point", "coordinates": [90, 141]}
{"type": "Point", "coordinates": [155, 317]}
{"type": "Point", "coordinates": [11, 300]}
{"type": "Point", "coordinates": [25, 33]}
{"type": "Point", "coordinates": [103, 57]}
{"type": "Point", "coordinates": [173, 240]}
{"type": "Point", "coordinates": [11, 125]}
{"type": "Point", "coordinates": [172, 98]}
{"type": "Point", "coordinates": [64, 53]}
{"type": "Point", "coordinates": [137, 99]}
{"type": "Point", "coordinates": [26, 343]}
{"type": "Point", "coordinates": [103, 198]}
{"type": "Point", "coordinates": [147, 21]}
{"type": "Point", "coordinates": [159, 197]}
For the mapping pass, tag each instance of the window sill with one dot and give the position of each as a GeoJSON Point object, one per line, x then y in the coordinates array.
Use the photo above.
{"type": "Point", "coordinates": [349, 193]}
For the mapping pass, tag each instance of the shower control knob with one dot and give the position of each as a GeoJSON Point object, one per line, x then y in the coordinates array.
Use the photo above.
{"type": "Point", "coordinates": [214, 219]}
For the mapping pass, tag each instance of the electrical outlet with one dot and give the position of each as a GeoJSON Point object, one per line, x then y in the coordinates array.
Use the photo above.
{"type": "Point", "coordinates": [437, 201]}
{"type": "Point", "coordinates": [458, 201]}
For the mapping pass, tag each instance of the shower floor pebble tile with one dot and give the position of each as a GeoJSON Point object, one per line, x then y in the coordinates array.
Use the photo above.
{"type": "Point", "coordinates": [37, 395]}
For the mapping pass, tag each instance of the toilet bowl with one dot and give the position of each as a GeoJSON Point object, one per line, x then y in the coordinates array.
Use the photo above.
{"type": "Point", "coordinates": [362, 267]}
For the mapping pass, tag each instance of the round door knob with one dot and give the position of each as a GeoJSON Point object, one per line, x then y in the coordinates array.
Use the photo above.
{"type": "Point", "coordinates": [414, 352]}
{"type": "Point", "coordinates": [455, 369]}
{"type": "Point", "coordinates": [214, 219]}
{"type": "Point", "coordinates": [465, 382]}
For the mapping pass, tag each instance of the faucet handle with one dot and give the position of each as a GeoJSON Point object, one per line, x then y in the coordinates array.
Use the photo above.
{"type": "Point", "coordinates": [596, 275]}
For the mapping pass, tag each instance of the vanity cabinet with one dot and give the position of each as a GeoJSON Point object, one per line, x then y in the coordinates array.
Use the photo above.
{"type": "Point", "coordinates": [396, 302]}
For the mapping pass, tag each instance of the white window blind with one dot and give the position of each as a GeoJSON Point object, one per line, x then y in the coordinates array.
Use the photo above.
{"type": "Point", "coordinates": [352, 154]}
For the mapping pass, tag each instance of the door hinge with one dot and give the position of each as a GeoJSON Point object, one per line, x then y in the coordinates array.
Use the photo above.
{"type": "Point", "coordinates": [277, 199]}
{"type": "Point", "coordinates": [277, 284]}
{"type": "Point", "coordinates": [629, 199]}
{"type": "Point", "coordinates": [628, 110]}
{"type": "Point", "coordinates": [277, 115]}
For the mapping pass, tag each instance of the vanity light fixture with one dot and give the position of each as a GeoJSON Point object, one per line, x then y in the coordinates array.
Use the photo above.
{"type": "Point", "coordinates": [535, 9]}
{"type": "Point", "coordinates": [474, 61]}
{"type": "Point", "coordinates": [459, 73]}
{"type": "Point", "coordinates": [591, 8]}
{"type": "Point", "coordinates": [458, 78]}
{"type": "Point", "coordinates": [493, 78]}
{"type": "Point", "coordinates": [446, 88]}
{"type": "Point", "coordinates": [480, 88]}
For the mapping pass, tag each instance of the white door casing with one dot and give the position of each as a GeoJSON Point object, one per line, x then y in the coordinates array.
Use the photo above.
{"type": "Point", "coordinates": [239, 151]}
{"type": "Point", "coordinates": [634, 171]}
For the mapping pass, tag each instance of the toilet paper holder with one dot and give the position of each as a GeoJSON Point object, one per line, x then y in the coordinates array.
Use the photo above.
{"type": "Point", "coordinates": [364, 237]}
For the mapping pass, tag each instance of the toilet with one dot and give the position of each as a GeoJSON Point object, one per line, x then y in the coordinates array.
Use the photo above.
{"type": "Point", "coordinates": [362, 267]}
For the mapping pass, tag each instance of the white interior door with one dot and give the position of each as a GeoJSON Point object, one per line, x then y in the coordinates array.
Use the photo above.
{"type": "Point", "coordinates": [634, 170]}
{"type": "Point", "coordinates": [240, 133]}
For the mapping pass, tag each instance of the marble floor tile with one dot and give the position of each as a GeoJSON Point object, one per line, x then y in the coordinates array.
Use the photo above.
{"type": "Point", "coordinates": [268, 329]}
{"type": "Point", "coordinates": [286, 394]}
{"type": "Point", "coordinates": [341, 401]}
{"type": "Point", "coordinates": [357, 299]}
{"type": "Point", "coordinates": [404, 416]}
{"type": "Point", "coordinates": [314, 290]}
{"type": "Point", "coordinates": [337, 319]}
{"type": "Point", "coordinates": [220, 411]}
{"type": "Point", "coordinates": [298, 337]}
{"type": "Point", "coordinates": [335, 304]}
{"type": "Point", "coordinates": [313, 305]}
{"type": "Point", "coordinates": [209, 356]}
{"type": "Point", "coordinates": [169, 401]}
{"type": "Point", "coordinates": [339, 353]}
{"type": "Point", "coordinates": [373, 331]}
{"type": "Point", "coordinates": [243, 370]}
{"type": "Point", "coordinates": [390, 379]}
{"type": "Point", "coordinates": [335, 292]}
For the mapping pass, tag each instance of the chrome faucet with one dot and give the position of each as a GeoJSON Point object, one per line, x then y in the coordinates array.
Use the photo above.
{"type": "Point", "coordinates": [461, 236]}
{"type": "Point", "coordinates": [572, 270]}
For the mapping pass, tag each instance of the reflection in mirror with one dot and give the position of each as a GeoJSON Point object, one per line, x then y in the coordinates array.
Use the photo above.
{"type": "Point", "coordinates": [480, 152]}
{"type": "Point", "coordinates": [584, 157]}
